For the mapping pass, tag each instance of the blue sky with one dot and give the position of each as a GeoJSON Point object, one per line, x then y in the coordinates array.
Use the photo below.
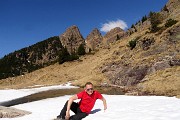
{"type": "Point", "coordinates": [26, 22]}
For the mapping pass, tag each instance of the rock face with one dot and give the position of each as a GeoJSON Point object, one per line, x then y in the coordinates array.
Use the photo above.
{"type": "Point", "coordinates": [172, 5]}
{"type": "Point", "coordinates": [124, 75]}
{"type": "Point", "coordinates": [94, 39]}
{"type": "Point", "coordinates": [154, 53]}
{"type": "Point", "coordinates": [171, 10]}
{"type": "Point", "coordinates": [6, 112]}
{"type": "Point", "coordinates": [146, 42]}
{"type": "Point", "coordinates": [113, 35]}
{"type": "Point", "coordinates": [141, 26]}
{"type": "Point", "coordinates": [72, 39]}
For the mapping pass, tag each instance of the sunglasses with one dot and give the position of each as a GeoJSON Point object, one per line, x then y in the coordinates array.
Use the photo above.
{"type": "Point", "coordinates": [89, 89]}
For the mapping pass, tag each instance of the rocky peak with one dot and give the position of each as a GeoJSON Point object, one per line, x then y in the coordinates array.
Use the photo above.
{"type": "Point", "coordinates": [93, 33]}
{"type": "Point", "coordinates": [113, 35]}
{"type": "Point", "coordinates": [72, 39]}
{"type": "Point", "coordinates": [94, 39]}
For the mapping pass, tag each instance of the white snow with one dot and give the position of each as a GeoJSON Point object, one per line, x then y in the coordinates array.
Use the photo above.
{"type": "Point", "coordinates": [120, 107]}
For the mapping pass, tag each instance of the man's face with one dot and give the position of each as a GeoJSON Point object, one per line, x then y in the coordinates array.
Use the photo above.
{"type": "Point", "coordinates": [89, 89]}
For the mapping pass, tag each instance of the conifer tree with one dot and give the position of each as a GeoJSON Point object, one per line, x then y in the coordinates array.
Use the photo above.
{"type": "Point", "coordinates": [64, 55]}
{"type": "Point", "coordinates": [81, 50]}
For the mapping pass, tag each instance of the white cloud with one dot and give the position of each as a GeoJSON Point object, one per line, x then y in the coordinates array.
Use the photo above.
{"type": "Point", "coordinates": [112, 24]}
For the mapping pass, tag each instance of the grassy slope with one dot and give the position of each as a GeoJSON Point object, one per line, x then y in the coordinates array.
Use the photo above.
{"type": "Point", "coordinates": [163, 82]}
{"type": "Point", "coordinates": [77, 71]}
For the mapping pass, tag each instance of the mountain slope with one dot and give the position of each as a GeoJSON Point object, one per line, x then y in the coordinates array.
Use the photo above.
{"type": "Point", "coordinates": [81, 70]}
{"type": "Point", "coordinates": [30, 58]}
{"type": "Point", "coordinates": [147, 59]}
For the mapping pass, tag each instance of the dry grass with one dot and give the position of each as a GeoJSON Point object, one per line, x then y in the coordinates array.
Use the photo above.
{"type": "Point", "coordinates": [164, 82]}
{"type": "Point", "coordinates": [78, 72]}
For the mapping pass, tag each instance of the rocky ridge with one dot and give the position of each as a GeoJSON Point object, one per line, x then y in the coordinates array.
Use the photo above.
{"type": "Point", "coordinates": [72, 39]}
{"type": "Point", "coordinates": [94, 39]}
{"type": "Point", "coordinates": [113, 35]}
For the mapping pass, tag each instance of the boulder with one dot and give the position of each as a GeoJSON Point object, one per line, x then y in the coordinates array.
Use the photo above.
{"type": "Point", "coordinates": [9, 112]}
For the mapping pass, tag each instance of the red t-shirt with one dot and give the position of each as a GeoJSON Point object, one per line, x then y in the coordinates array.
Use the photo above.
{"type": "Point", "coordinates": [87, 101]}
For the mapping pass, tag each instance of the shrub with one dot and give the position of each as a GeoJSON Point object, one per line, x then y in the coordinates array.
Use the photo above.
{"type": "Point", "coordinates": [81, 50]}
{"type": "Point", "coordinates": [72, 57]}
{"type": "Point", "coordinates": [132, 44]}
{"type": "Point", "coordinates": [155, 19]}
{"type": "Point", "coordinates": [170, 22]}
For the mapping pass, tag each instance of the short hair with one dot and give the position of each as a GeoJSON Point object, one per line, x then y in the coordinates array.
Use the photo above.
{"type": "Point", "coordinates": [88, 83]}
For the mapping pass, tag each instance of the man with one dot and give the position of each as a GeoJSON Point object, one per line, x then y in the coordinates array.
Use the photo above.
{"type": "Point", "coordinates": [88, 98]}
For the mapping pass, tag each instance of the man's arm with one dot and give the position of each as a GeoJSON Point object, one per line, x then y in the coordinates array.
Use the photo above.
{"type": "Point", "coordinates": [71, 99]}
{"type": "Point", "coordinates": [104, 103]}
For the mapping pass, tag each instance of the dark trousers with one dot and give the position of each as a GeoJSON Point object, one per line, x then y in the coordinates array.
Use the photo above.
{"type": "Point", "coordinates": [75, 108]}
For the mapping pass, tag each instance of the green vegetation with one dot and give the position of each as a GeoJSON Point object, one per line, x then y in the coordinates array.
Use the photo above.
{"type": "Point", "coordinates": [81, 50]}
{"type": "Point", "coordinates": [132, 44]}
{"type": "Point", "coordinates": [165, 8]}
{"type": "Point", "coordinates": [64, 56]}
{"type": "Point", "coordinates": [144, 18]}
{"type": "Point", "coordinates": [132, 26]}
{"type": "Point", "coordinates": [155, 19]}
{"type": "Point", "coordinates": [170, 22]}
{"type": "Point", "coordinates": [25, 60]}
{"type": "Point", "coordinates": [37, 56]}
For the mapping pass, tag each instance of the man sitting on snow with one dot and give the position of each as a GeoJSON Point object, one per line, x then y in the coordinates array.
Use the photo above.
{"type": "Point", "coordinates": [88, 98]}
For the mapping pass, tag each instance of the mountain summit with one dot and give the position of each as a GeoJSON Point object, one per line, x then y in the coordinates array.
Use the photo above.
{"type": "Point", "coordinates": [72, 39]}
{"type": "Point", "coordinates": [94, 39]}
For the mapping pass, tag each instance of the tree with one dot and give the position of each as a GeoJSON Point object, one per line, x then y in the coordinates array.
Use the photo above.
{"type": "Point", "coordinates": [72, 57]}
{"type": "Point", "coordinates": [155, 19]}
{"type": "Point", "coordinates": [63, 56]}
{"type": "Point", "coordinates": [132, 26]}
{"type": "Point", "coordinates": [165, 8]}
{"type": "Point", "coordinates": [144, 18]}
{"type": "Point", "coordinates": [81, 50]}
{"type": "Point", "coordinates": [117, 37]}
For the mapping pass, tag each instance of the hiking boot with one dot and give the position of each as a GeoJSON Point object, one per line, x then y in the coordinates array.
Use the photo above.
{"type": "Point", "coordinates": [59, 118]}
